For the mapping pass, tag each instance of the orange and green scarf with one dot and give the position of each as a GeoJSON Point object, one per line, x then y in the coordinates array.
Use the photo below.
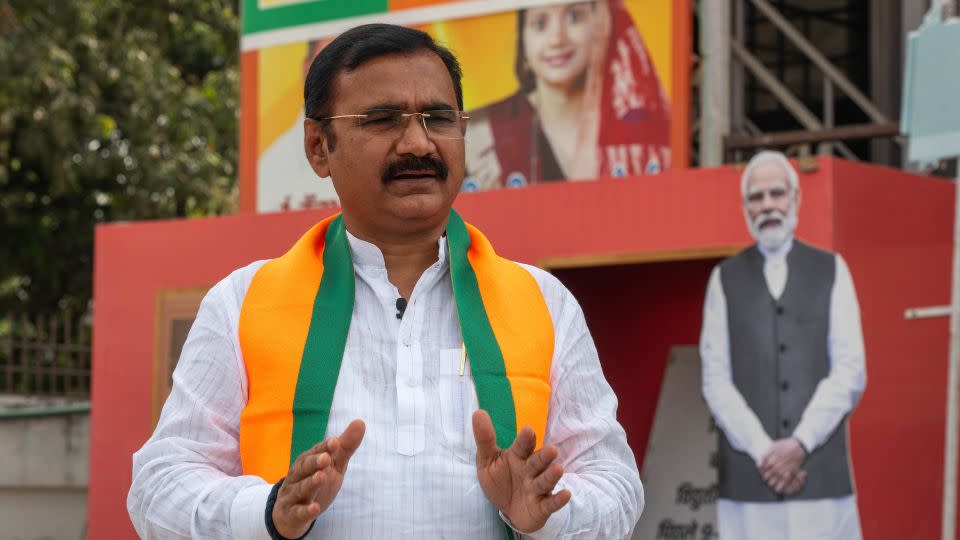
{"type": "Point", "coordinates": [295, 319]}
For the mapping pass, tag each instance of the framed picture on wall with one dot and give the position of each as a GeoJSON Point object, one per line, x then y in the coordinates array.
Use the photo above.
{"type": "Point", "coordinates": [176, 310]}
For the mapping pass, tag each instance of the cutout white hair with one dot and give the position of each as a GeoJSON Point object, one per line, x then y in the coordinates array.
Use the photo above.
{"type": "Point", "coordinates": [768, 156]}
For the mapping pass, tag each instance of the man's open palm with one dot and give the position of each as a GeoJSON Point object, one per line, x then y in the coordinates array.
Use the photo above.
{"type": "Point", "coordinates": [518, 481]}
{"type": "Point", "coordinates": [314, 480]}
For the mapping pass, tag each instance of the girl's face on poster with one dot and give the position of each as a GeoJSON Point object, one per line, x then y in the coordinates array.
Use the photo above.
{"type": "Point", "coordinates": [557, 42]}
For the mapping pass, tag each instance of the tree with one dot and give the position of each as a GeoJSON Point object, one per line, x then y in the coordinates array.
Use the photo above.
{"type": "Point", "coordinates": [109, 110]}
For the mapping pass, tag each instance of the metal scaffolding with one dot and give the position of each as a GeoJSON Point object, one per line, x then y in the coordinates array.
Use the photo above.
{"type": "Point", "coordinates": [764, 75]}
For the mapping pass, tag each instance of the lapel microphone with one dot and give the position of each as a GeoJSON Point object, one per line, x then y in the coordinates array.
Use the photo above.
{"type": "Point", "coordinates": [401, 306]}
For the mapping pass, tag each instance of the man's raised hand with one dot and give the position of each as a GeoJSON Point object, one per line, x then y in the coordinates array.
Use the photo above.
{"type": "Point", "coordinates": [518, 481]}
{"type": "Point", "coordinates": [313, 481]}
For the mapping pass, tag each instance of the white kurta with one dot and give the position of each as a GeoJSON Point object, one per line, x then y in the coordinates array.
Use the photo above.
{"type": "Point", "coordinates": [414, 475]}
{"type": "Point", "coordinates": [834, 397]}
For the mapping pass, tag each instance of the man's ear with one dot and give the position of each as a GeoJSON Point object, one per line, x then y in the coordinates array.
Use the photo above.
{"type": "Point", "coordinates": [315, 147]}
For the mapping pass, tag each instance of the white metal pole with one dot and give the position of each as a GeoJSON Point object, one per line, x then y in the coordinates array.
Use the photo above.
{"type": "Point", "coordinates": [715, 80]}
{"type": "Point", "coordinates": [953, 379]}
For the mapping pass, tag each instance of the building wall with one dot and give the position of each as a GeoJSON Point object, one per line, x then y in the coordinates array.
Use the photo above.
{"type": "Point", "coordinates": [894, 231]}
{"type": "Point", "coordinates": [43, 474]}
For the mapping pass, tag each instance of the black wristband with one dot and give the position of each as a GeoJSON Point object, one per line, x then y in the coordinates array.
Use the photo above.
{"type": "Point", "coordinates": [268, 516]}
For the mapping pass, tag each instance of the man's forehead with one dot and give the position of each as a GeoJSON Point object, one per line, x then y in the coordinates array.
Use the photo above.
{"type": "Point", "coordinates": [408, 80]}
{"type": "Point", "coordinates": [768, 175]}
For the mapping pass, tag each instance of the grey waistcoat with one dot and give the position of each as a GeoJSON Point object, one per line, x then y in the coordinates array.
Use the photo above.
{"type": "Point", "coordinates": [778, 355]}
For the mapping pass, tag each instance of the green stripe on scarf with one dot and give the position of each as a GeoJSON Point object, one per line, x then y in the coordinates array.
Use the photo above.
{"type": "Point", "coordinates": [326, 340]}
{"type": "Point", "coordinates": [486, 360]}
{"type": "Point", "coordinates": [330, 323]}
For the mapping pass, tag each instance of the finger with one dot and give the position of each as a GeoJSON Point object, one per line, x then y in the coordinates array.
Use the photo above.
{"type": "Point", "coordinates": [549, 505]}
{"type": "Point", "coordinates": [353, 435]}
{"type": "Point", "coordinates": [781, 483]}
{"type": "Point", "coordinates": [305, 490]}
{"type": "Point", "coordinates": [293, 517]}
{"type": "Point", "coordinates": [770, 481]}
{"type": "Point", "coordinates": [305, 465]}
{"type": "Point", "coordinates": [546, 481]}
{"type": "Point", "coordinates": [524, 444]}
{"type": "Point", "coordinates": [773, 480]}
{"type": "Point", "coordinates": [796, 483]}
{"type": "Point", "coordinates": [305, 513]}
{"type": "Point", "coordinates": [347, 443]}
{"type": "Point", "coordinates": [765, 459]}
{"type": "Point", "coordinates": [318, 448]}
{"type": "Point", "coordinates": [793, 487]}
{"type": "Point", "coordinates": [312, 485]}
{"type": "Point", "coordinates": [770, 461]}
{"type": "Point", "coordinates": [540, 460]}
{"type": "Point", "coordinates": [768, 477]}
{"type": "Point", "coordinates": [485, 436]}
{"type": "Point", "coordinates": [800, 480]}
{"type": "Point", "coordinates": [780, 470]}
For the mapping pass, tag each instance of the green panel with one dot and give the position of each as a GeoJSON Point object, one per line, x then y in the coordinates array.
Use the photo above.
{"type": "Point", "coordinates": [326, 340]}
{"type": "Point", "coordinates": [486, 359]}
{"type": "Point", "coordinates": [257, 19]}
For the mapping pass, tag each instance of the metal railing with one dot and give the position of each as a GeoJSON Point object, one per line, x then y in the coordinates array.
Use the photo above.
{"type": "Point", "coordinates": [45, 356]}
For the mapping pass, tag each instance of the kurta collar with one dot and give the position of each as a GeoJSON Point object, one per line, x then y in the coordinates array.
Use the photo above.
{"type": "Point", "coordinates": [367, 254]}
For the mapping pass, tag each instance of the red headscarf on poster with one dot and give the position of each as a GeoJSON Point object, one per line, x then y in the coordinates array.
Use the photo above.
{"type": "Point", "coordinates": [623, 128]}
{"type": "Point", "coordinates": [634, 132]}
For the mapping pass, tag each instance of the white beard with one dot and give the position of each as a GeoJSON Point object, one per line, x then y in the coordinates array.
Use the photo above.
{"type": "Point", "coordinates": [773, 236]}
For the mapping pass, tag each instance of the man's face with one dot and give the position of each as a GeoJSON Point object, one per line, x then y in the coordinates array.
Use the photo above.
{"type": "Point", "coordinates": [770, 205]}
{"type": "Point", "coordinates": [398, 182]}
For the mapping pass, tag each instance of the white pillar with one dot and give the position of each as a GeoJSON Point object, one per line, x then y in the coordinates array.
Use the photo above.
{"type": "Point", "coordinates": [953, 379]}
{"type": "Point", "coordinates": [715, 85]}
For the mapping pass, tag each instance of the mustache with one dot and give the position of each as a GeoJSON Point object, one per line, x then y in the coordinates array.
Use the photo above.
{"type": "Point", "coordinates": [771, 214]}
{"type": "Point", "coordinates": [414, 163]}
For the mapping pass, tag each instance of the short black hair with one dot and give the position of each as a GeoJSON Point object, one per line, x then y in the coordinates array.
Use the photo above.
{"type": "Point", "coordinates": [360, 44]}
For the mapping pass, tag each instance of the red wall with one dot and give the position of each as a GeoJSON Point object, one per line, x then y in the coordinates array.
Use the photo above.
{"type": "Point", "coordinates": [894, 231]}
{"type": "Point", "coordinates": [634, 311]}
{"type": "Point", "coordinates": [639, 313]}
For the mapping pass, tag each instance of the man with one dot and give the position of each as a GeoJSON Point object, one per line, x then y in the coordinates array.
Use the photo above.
{"type": "Point", "coordinates": [783, 366]}
{"type": "Point", "coordinates": [375, 341]}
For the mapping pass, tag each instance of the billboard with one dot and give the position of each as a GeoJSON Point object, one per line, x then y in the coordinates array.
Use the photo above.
{"type": "Point", "coordinates": [556, 90]}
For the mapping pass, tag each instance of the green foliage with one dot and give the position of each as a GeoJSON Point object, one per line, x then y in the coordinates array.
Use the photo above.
{"type": "Point", "coordinates": [110, 110]}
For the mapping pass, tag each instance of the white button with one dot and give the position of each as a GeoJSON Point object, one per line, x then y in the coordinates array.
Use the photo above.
{"type": "Point", "coordinates": [406, 341]}
{"type": "Point", "coordinates": [411, 382]}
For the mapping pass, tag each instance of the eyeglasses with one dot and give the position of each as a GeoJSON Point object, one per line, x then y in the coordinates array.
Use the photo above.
{"type": "Point", "coordinates": [441, 124]}
{"type": "Point", "coordinates": [776, 194]}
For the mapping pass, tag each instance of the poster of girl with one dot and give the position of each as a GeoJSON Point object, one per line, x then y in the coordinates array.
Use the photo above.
{"type": "Point", "coordinates": [589, 103]}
